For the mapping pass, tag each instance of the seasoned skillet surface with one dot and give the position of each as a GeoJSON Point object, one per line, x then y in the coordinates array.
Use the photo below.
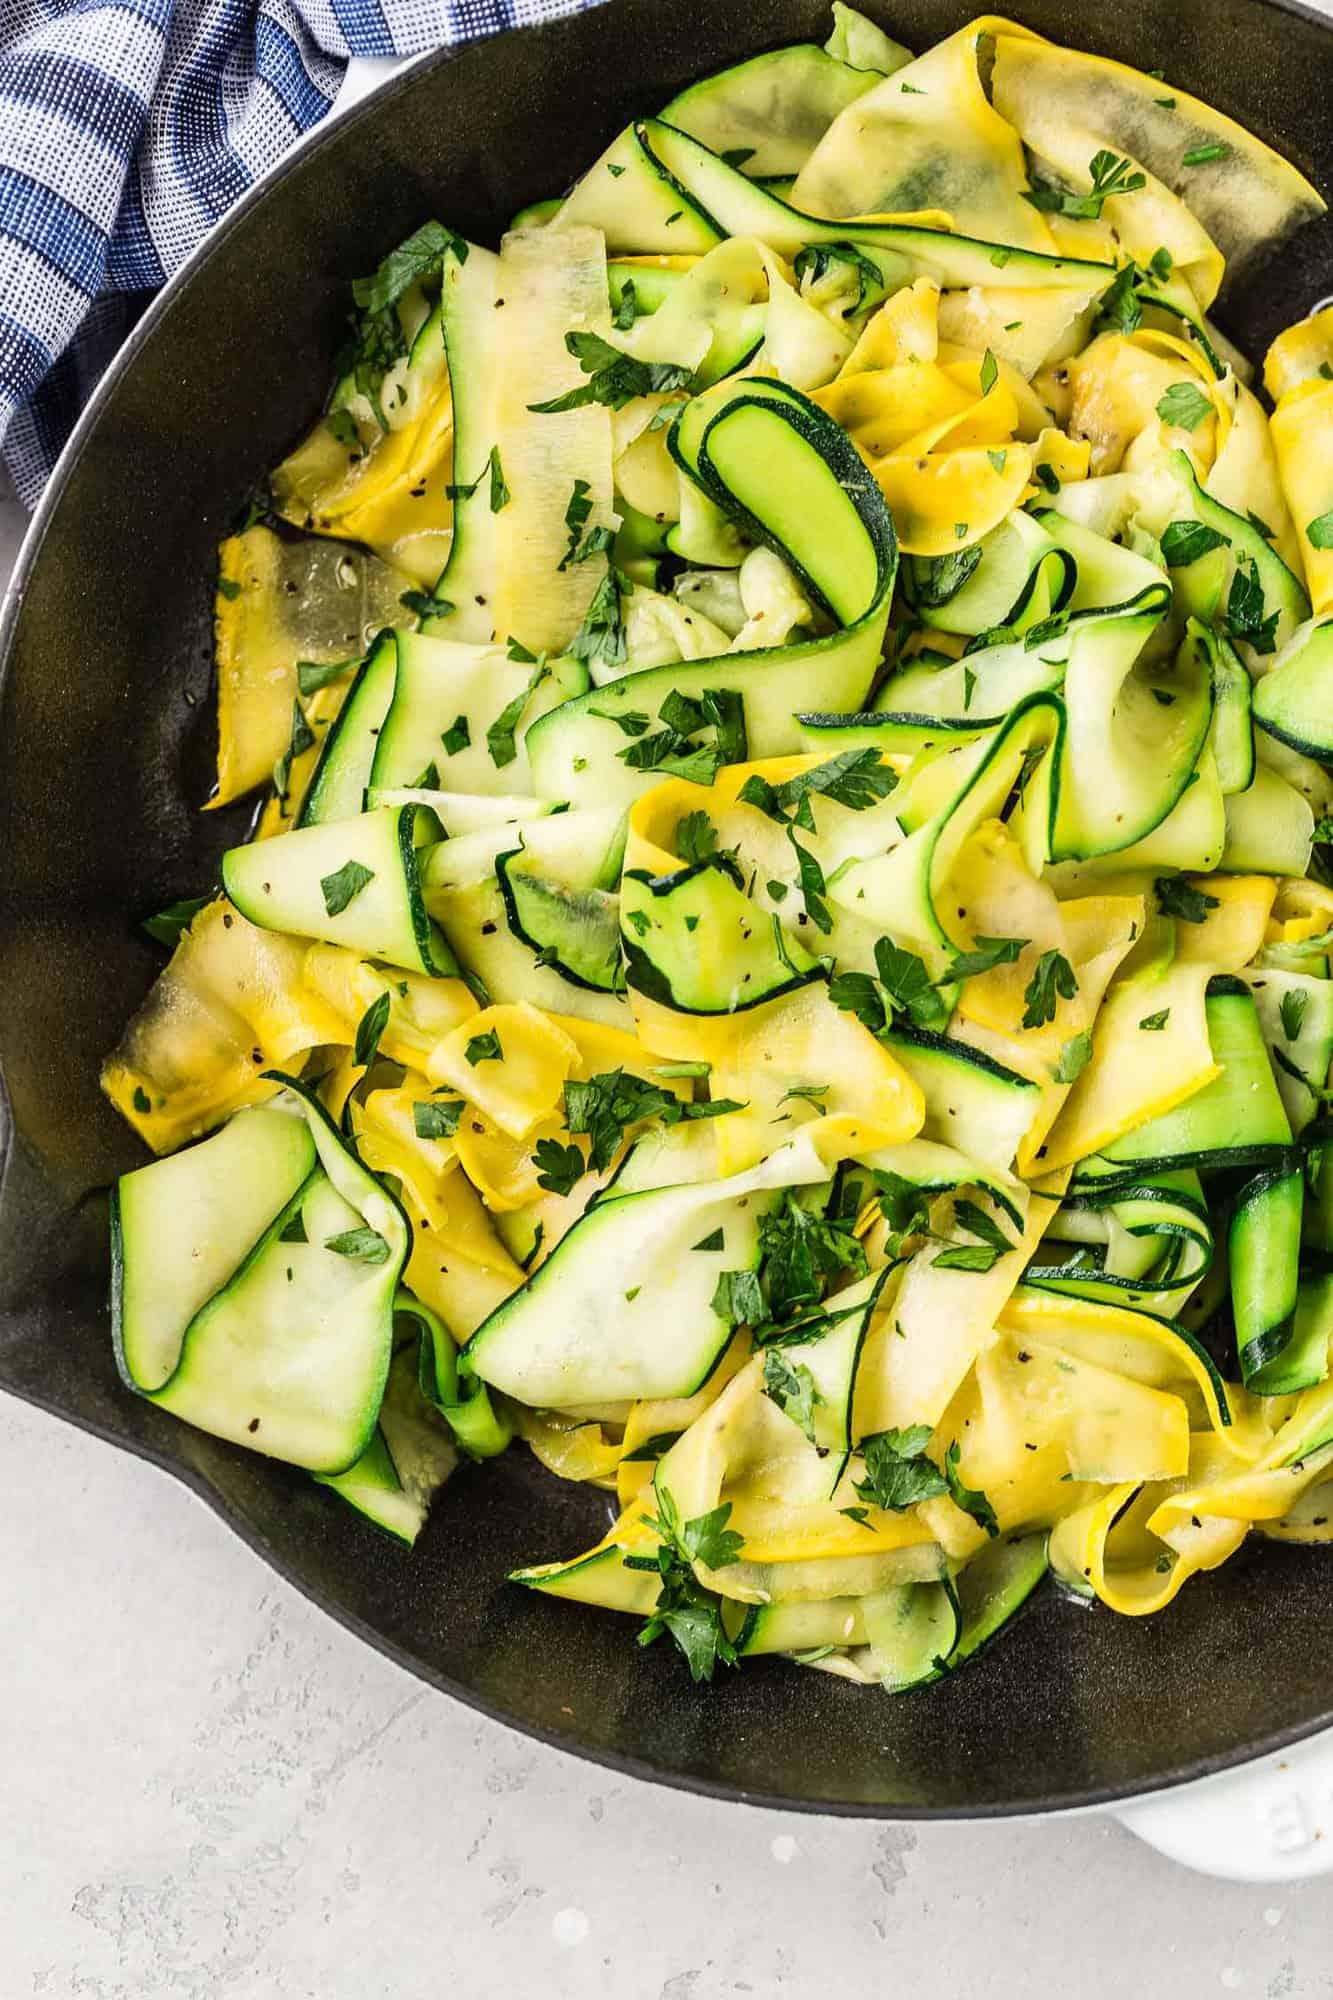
{"type": "Point", "coordinates": [106, 751]}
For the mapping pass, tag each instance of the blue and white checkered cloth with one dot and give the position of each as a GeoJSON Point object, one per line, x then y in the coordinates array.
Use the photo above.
{"type": "Point", "coordinates": [127, 128]}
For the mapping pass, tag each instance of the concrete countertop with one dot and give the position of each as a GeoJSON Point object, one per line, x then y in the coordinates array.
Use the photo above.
{"type": "Point", "coordinates": [209, 1789]}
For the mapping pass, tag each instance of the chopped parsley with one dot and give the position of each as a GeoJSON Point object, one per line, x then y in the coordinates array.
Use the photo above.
{"type": "Point", "coordinates": [302, 739]}
{"type": "Point", "coordinates": [936, 579]}
{"type": "Point", "coordinates": [601, 636]}
{"type": "Point", "coordinates": [802, 1253]}
{"type": "Point", "coordinates": [484, 1048]}
{"type": "Point", "coordinates": [1152, 1024]}
{"type": "Point", "coordinates": [458, 736]}
{"type": "Point", "coordinates": [986, 953]}
{"type": "Point", "coordinates": [1319, 532]}
{"type": "Point", "coordinates": [500, 494]}
{"type": "Point", "coordinates": [166, 927]}
{"type": "Point", "coordinates": [1183, 542]}
{"type": "Point", "coordinates": [627, 307]}
{"type": "Point", "coordinates": [437, 1119]}
{"type": "Point", "coordinates": [909, 986]}
{"type": "Point", "coordinates": [812, 884]}
{"type": "Point", "coordinates": [684, 1609]}
{"type": "Point", "coordinates": [854, 778]}
{"type": "Point", "coordinates": [1292, 1011]}
{"type": "Point", "coordinates": [969, 1498]}
{"type": "Point", "coordinates": [1178, 898]}
{"type": "Point", "coordinates": [614, 377]}
{"type": "Point", "coordinates": [362, 1246]}
{"type": "Point", "coordinates": [369, 1029]}
{"type": "Point", "coordinates": [1110, 174]}
{"type": "Point", "coordinates": [559, 1167]}
{"type": "Point", "coordinates": [577, 515]}
{"type": "Point", "coordinates": [696, 836]}
{"type": "Point", "coordinates": [1184, 406]}
{"type": "Point", "coordinates": [346, 882]}
{"type": "Point", "coordinates": [898, 1473]}
{"type": "Point", "coordinates": [1053, 979]}
{"type": "Point", "coordinates": [501, 736]}
{"type": "Point", "coordinates": [792, 1387]}
{"type": "Point", "coordinates": [312, 675]}
{"type": "Point", "coordinates": [603, 1105]}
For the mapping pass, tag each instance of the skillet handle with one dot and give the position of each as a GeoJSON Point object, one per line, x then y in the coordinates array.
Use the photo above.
{"type": "Point", "coordinates": [1270, 1822]}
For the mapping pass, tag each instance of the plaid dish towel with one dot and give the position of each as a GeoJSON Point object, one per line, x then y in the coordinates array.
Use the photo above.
{"type": "Point", "coordinates": [127, 128]}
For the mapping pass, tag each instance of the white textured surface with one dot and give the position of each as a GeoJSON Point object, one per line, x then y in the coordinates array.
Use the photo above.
{"type": "Point", "coordinates": [207, 1789]}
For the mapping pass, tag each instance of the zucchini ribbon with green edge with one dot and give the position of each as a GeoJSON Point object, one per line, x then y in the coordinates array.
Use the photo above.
{"type": "Point", "coordinates": [783, 960]}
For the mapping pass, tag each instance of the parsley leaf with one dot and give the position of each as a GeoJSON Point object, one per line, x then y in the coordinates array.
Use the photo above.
{"type": "Point", "coordinates": [857, 993]}
{"type": "Point", "coordinates": [302, 738]}
{"type": "Point", "coordinates": [803, 1252]}
{"type": "Point", "coordinates": [368, 1031]}
{"type": "Point", "coordinates": [1184, 406]}
{"type": "Point", "coordinates": [1111, 175]}
{"type": "Point", "coordinates": [1178, 898]}
{"type": "Point", "coordinates": [904, 1206]}
{"type": "Point", "coordinates": [423, 250]}
{"type": "Point", "coordinates": [936, 579]}
{"type": "Point", "coordinates": [854, 778]}
{"type": "Point", "coordinates": [1183, 542]}
{"type": "Point", "coordinates": [577, 515]}
{"type": "Point", "coordinates": [1245, 610]}
{"type": "Point", "coordinates": [425, 603]}
{"type": "Point", "coordinates": [910, 986]}
{"type": "Point", "coordinates": [312, 675]}
{"type": "Point", "coordinates": [601, 636]}
{"type": "Point", "coordinates": [615, 378]}
{"type": "Point", "coordinates": [978, 1257]}
{"type": "Point", "coordinates": [501, 736]}
{"type": "Point", "coordinates": [969, 1498]}
{"type": "Point", "coordinates": [458, 736]}
{"type": "Point", "coordinates": [1292, 1010]}
{"type": "Point", "coordinates": [627, 307]}
{"type": "Point", "coordinates": [898, 1473]}
{"type": "Point", "coordinates": [1197, 156]}
{"type": "Point", "coordinates": [696, 838]}
{"type": "Point", "coordinates": [1052, 979]}
{"type": "Point", "coordinates": [484, 1048]}
{"type": "Point", "coordinates": [166, 927]}
{"type": "Point", "coordinates": [738, 1299]}
{"type": "Point", "coordinates": [500, 494]}
{"type": "Point", "coordinates": [986, 953]}
{"type": "Point", "coordinates": [687, 1611]}
{"type": "Point", "coordinates": [560, 1167]}
{"type": "Point", "coordinates": [812, 884]}
{"type": "Point", "coordinates": [363, 1246]}
{"type": "Point", "coordinates": [1319, 532]}
{"type": "Point", "coordinates": [377, 339]}
{"type": "Point", "coordinates": [1120, 308]}
{"type": "Point", "coordinates": [603, 1105]}
{"type": "Point", "coordinates": [1153, 1023]}
{"type": "Point", "coordinates": [792, 1387]}
{"type": "Point", "coordinates": [346, 882]}
{"type": "Point", "coordinates": [437, 1119]}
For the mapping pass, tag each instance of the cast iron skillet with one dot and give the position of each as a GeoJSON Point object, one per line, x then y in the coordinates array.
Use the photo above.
{"type": "Point", "coordinates": [105, 747]}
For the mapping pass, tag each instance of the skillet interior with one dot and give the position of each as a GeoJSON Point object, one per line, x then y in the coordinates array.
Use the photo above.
{"type": "Point", "coordinates": [105, 749]}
